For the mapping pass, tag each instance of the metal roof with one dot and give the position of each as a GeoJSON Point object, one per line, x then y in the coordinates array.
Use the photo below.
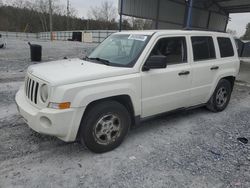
{"type": "Point", "coordinates": [192, 14]}
{"type": "Point", "coordinates": [229, 6]}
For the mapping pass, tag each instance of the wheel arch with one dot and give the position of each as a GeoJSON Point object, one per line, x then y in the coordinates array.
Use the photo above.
{"type": "Point", "coordinates": [123, 99]}
{"type": "Point", "coordinates": [231, 79]}
{"type": "Point", "coordinates": [228, 77]}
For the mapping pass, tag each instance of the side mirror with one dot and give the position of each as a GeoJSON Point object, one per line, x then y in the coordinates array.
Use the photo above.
{"type": "Point", "coordinates": [155, 62]}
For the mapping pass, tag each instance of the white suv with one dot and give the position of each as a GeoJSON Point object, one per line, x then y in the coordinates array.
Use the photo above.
{"type": "Point", "coordinates": [128, 77]}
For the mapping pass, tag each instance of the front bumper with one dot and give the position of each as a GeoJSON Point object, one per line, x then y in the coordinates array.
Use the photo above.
{"type": "Point", "coordinates": [63, 124]}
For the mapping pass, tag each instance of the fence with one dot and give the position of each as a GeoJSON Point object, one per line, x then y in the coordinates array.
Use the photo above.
{"type": "Point", "coordinates": [6, 34]}
{"type": "Point", "coordinates": [97, 35]}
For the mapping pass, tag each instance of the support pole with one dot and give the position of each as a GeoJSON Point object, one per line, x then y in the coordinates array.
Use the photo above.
{"type": "Point", "coordinates": [121, 12]}
{"type": "Point", "coordinates": [208, 20]}
{"type": "Point", "coordinates": [190, 12]}
{"type": "Point", "coordinates": [50, 20]}
{"type": "Point", "coordinates": [228, 19]}
{"type": "Point", "coordinates": [157, 15]}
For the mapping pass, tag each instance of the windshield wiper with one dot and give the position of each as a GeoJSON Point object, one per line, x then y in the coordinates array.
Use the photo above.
{"type": "Point", "coordinates": [104, 61]}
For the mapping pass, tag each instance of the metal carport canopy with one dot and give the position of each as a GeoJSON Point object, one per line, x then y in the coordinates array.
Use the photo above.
{"type": "Point", "coordinates": [177, 14]}
{"type": "Point", "coordinates": [234, 6]}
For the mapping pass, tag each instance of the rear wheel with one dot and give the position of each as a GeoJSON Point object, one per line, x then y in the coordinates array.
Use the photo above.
{"type": "Point", "coordinates": [221, 96]}
{"type": "Point", "coordinates": [105, 126]}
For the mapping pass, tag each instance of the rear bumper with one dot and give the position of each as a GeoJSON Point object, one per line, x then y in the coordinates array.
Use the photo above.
{"type": "Point", "coordinates": [63, 124]}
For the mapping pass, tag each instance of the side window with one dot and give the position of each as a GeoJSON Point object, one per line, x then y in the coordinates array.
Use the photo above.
{"type": "Point", "coordinates": [174, 48]}
{"type": "Point", "coordinates": [203, 48]}
{"type": "Point", "coordinates": [226, 47]}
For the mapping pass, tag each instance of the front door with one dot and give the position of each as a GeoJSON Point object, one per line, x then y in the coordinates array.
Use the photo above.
{"type": "Point", "coordinates": [168, 88]}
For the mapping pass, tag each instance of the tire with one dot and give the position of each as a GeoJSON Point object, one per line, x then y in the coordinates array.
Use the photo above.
{"type": "Point", "coordinates": [104, 126]}
{"type": "Point", "coordinates": [221, 96]}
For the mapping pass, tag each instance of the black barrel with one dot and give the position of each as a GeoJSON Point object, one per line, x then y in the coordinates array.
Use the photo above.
{"type": "Point", "coordinates": [77, 36]}
{"type": "Point", "coordinates": [35, 52]}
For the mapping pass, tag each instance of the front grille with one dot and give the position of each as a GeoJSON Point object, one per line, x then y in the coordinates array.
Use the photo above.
{"type": "Point", "coordinates": [31, 89]}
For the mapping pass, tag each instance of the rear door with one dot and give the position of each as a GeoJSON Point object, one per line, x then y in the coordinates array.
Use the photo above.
{"type": "Point", "coordinates": [169, 88]}
{"type": "Point", "coordinates": [228, 61]}
{"type": "Point", "coordinates": [204, 68]}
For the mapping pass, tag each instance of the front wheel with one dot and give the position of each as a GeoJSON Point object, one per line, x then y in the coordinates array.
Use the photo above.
{"type": "Point", "coordinates": [221, 96]}
{"type": "Point", "coordinates": [105, 126]}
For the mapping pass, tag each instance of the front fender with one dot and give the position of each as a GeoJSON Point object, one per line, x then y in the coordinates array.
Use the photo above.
{"type": "Point", "coordinates": [89, 95]}
{"type": "Point", "coordinates": [82, 94]}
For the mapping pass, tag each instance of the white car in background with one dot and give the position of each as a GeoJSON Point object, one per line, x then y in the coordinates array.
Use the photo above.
{"type": "Point", "coordinates": [130, 76]}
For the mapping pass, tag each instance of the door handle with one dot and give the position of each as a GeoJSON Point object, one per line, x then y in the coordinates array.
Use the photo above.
{"type": "Point", "coordinates": [184, 73]}
{"type": "Point", "coordinates": [214, 68]}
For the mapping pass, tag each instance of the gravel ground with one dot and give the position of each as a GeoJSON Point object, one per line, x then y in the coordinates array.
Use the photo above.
{"type": "Point", "coordinates": [194, 148]}
{"type": "Point", "coordinates": [15, 59]}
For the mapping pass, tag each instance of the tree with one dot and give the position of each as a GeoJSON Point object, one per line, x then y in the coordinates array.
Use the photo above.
{"type": "Point", "coordinates": [33, 16]}
{"type": "Point", "coordinates": [105, 12]}
{"type": "Point", "coordinates": [140, 24]}
{"type": "Point", "coordinates": [232, 32]}
{"type": "Point", "coordinates": [43, 9]}
{"type": "Point", "coordinates": [246, 36]}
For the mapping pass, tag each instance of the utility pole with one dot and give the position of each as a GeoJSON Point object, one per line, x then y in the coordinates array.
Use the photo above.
{"type": "Point", "coordinates": [50, 20]}
{"type": "Point", "coordinates": [67, 14]}
{"type": "Point", "coordinates": [121, 12]}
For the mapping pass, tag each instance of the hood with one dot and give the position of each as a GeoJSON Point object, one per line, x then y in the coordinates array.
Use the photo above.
{"type": "Point", "coordinates": [74, 70]}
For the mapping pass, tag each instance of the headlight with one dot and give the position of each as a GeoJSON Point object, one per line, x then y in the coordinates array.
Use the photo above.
{"type": "Point", "coordinates": [44, 92]}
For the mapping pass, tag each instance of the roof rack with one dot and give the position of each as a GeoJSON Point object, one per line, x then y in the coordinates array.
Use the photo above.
{"type": "Point", "coordinates": [201, 29]}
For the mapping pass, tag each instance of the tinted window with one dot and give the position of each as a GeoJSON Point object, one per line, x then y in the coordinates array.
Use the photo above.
{"type": "Point", "coordinates": [226, 47]}
{"type": "Point", "coordinates": [203, 48]}
{"type": "Point", "coordinates": [175, 49]}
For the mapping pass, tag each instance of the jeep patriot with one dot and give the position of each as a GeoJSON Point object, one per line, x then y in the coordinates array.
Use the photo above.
{"type": "Point", "coordinates": [130, 76]}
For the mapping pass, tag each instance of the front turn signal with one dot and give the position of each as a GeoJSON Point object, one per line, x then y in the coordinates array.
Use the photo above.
{"type": "Point", "coordinates": [61, 106]}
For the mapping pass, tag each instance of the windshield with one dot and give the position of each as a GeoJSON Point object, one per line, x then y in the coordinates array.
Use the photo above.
{"type": "Point", "coordinates": [120, 49]}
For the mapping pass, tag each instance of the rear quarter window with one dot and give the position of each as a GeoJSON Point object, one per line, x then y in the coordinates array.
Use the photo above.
{"type": "Point", "coordinates": [226, 47]}
{"type": "Point", "coordinates": [203, 48]}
